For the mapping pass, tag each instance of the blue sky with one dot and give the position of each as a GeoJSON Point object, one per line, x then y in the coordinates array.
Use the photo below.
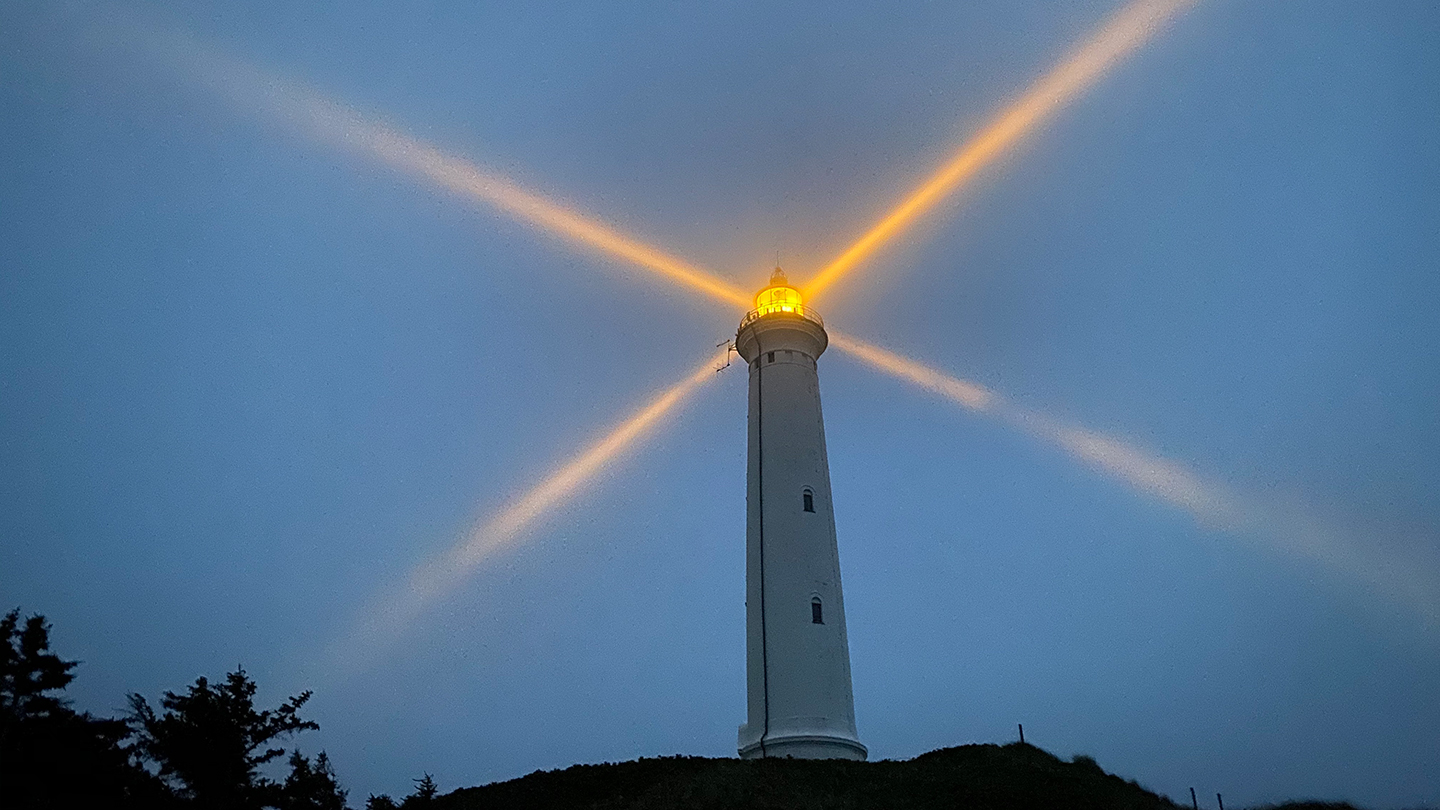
{"type": "Point", "coordinates": [247, 381]}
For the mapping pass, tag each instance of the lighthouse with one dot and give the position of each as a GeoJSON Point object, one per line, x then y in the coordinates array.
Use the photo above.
{"type": "Point", "coordinates": [797, 656]}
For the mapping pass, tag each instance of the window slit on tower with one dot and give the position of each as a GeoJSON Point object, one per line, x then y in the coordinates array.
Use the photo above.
{"type": "Point", "coordinates": [817, 615]}
{"type": "Point", "coordinates": [808, 498]}
{"type": "Point", "coordinates": [769, 357]}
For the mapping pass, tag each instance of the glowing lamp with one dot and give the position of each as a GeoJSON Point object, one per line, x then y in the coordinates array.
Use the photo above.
{"type": "Point", "coordinates": [779, 298]}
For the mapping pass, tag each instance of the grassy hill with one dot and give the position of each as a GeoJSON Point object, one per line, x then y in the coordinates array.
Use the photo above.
{"type": "Point", "coordinates": [973, 777]}
{"type": "Point", "coordinates": [988, 777]}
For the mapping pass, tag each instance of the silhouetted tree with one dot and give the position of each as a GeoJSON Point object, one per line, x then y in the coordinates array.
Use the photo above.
{"type": "Point", "coordinates": [311, 787]}
{"type": "Point", "coordinates": [424, 794]}
{"type": "Point", "coordinates": [210, 742]}
{"type": "Point", "coordinates": [50, 755]}
{"type": "Point", "coordinates": [28, 670]}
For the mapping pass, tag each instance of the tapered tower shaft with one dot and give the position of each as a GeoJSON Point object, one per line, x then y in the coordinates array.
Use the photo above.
{"type": "Point", "coordinates": [797, 654]}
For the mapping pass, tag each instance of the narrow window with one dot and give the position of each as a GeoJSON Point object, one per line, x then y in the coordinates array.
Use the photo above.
{"type": "Point", "coordinates": [817, 615]}
{"type": "Point", "coordinates": [769, 357]}
{"type": "Point", "coordinates": [809, 499]}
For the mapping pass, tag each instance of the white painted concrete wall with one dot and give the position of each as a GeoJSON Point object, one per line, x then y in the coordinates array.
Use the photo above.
{"type": "Point", "coordinates": [798, 672]}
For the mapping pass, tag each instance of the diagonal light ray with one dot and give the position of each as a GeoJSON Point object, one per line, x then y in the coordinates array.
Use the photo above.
{"type": "Point", "coordinates": [1414, 583]}
{"type": "Point", "coordinates": [1154, 476]}
{"type": "Point", "coordinates": [330, 122]}
{"type": "Point", "coordinates": [1406, 576]}
{"type": "Point", "coordinates": [435, 578]}
{"type": "Point", "coordinates": [1125, 32]}
{"type": "Point", "coordinates": [333, 123]}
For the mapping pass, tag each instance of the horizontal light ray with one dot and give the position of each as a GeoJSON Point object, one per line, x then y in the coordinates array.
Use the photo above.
{"type": "Point", "coordinates": [1406, 576]}
{"type": "Point", "coordinates": [437, 577]}
{"type": "Point", "coordinates": [1125, 32]}
{"type": "Point", "coordinates": [336, 124]}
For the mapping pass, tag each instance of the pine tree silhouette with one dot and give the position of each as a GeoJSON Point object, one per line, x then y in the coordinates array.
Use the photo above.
{"type": "Point", "coordinates": [50, 755]}
{"type": "Point", "coordinates": [210, 742]}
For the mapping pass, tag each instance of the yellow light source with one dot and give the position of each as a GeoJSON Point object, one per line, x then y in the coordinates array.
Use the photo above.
{"type": "Point", "coordinates": [780, 298]}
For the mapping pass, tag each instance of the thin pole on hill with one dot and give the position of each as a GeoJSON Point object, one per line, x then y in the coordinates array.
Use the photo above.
{"type": "Point", "coordinates": [1022, 732]}
{"type": "Point", "coordinates": [1193, 803]}
{"type": "Point", "coordinates": [1220, 801]}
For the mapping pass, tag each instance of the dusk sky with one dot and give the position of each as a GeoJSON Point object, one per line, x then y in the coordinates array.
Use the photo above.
{"type": "Point", "coordinates": [252, 378]}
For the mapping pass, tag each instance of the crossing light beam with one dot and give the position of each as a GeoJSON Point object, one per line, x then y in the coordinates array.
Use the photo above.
{"type": "Point", "coordinates": [328, 121]}
{"type": "Point", "coordinates": [1408, 578]}
{"type": "Point", "coordinates": [1407, 575]}
{"type": "Point", "coordinates": [1123, 34]}
{"type": "Point", "coordinates": [437, 577]}
{"type": "Point", "coordinates": [1155, 476]}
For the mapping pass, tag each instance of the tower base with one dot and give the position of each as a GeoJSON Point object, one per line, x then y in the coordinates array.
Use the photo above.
{"type": "Point", "coordinates": [802, 746]}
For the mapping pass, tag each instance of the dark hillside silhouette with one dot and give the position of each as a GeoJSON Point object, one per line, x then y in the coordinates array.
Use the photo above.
{"type": "Point", "coordinates": [1014, 777]}
{"type": "Point", "coordinates": [971, 777]}
{"type": "Point", "coordinates": [205, 748]}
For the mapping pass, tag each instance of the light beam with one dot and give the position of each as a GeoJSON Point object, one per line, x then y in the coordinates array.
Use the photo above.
{"type": "Point", "coordinates": [440, 575]}
{"type": "Point", "coordinates": [1407, 578]}
{"type": "Point", "coordinates": [1404, 575]}
{"type": "Point", "coordinates": [1125, 32]}
{"type": "Point", "coordinates": [323, 119]}
{"type": "Point", "coordinates": [1154, 476]}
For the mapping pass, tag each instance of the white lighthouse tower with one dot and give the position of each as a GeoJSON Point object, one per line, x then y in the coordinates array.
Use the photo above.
{"type": "Point", "coordinates": [797, 655]}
